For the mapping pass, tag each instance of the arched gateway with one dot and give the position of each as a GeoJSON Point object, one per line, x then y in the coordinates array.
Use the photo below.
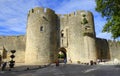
{"type": "Point", "coordinates": [62, 54]}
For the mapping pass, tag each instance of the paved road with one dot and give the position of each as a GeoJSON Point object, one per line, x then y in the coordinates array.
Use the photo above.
{"type": "Point", "coordinates": [69, 70]}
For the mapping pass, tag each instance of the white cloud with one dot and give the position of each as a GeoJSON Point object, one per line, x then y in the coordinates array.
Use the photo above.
{"type": "Point", "coordinates": [13, 13]}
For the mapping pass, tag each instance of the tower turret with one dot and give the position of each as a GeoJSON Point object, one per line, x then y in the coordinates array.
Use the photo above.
{"type": "Point", "coordinates": [41, 41]}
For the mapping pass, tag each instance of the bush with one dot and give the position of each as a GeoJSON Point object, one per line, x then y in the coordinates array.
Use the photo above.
{"type": "Point", "coordinates": [61, 56]}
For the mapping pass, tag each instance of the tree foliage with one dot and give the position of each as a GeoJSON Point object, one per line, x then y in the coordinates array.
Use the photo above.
{"type": "Point", "coordinates": [111, 10]}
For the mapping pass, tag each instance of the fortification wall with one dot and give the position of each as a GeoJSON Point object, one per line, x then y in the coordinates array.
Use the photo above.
{"type": "Point", "coordinates": [114, 47]}
{"type": "Point", "coordinates": [103, 49]}
{"type": "Point", "coordinates": [41, 42]}
{"type": "Point", "coordinates": [14, 43]}
{"type": "Point", "coordinates": [108, 49]}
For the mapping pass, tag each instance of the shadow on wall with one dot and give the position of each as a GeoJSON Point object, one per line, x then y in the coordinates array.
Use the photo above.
{"type": "Point", "coordinates": [103, 51]}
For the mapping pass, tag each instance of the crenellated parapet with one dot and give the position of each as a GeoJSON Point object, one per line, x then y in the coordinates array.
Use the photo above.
{"type": "Point", "coordinates": [84, 19]}
{"type": "Point", "coordinates": [39, 10]}
{"type": "Point", "coordinates": [12, 37]}
{"type": "Point", "coordinates": [40, 14]}
{"type": "Point", "coordinates": [74, 14]}
{"type": "Point", "coordinates": [113, 43]}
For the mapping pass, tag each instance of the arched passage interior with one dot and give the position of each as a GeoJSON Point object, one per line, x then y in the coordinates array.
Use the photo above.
{"type": "Point", "coordinates": [62, 55]}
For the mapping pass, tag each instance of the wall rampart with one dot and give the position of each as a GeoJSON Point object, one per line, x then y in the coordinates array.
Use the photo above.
{"type": "Point", "coordinates": [14, 43]}
{"type": "Point", "coordinates": [114, 47]}
{"type": "Point", "coordinates": [108, 49]}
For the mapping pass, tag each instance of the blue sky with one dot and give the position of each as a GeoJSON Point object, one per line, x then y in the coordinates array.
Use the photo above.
{"type": "Point", "coordinates": [13, 14]}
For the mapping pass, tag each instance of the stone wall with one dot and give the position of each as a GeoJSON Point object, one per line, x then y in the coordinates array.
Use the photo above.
{"type": "Point", "coordinates": [14, 43]}
{"type": "Point", "coordinates": [108, 49]}
{"type": "Point", "coordinates": [114, 47]}
{"type": "Point", "coordinates": [103, 49]}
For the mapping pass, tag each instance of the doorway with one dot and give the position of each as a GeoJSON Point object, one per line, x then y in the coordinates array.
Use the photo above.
{"type": "Point", "coordinates": [62, 55]}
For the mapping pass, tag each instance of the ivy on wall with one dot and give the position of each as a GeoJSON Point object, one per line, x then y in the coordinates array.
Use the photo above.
{"type": "Point", "coordinates": [84, 21]}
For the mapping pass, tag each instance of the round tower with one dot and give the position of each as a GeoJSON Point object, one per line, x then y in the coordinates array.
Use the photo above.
{"type": "Point", "coordinates": [41, 36]}
{"type": "Point", "coordinates": [89, 36]}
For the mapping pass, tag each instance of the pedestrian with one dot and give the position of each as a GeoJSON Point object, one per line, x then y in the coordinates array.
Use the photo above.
{"type": "Point", "coordinates": [57, 63]}
{"type": "Point", "coordinates": [4, 66]}
{"type": "Point", "coordinates": [65, 60]}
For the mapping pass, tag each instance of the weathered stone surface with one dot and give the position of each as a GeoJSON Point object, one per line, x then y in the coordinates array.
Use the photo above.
{"type": "Point", "coordinates": [13, 43]}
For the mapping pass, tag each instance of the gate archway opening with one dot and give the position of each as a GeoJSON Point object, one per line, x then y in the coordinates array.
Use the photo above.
{"type": "Point", "coordinates": [62, 55]}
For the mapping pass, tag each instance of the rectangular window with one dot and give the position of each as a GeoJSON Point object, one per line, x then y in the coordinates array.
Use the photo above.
{"type": "Point", "coordinates": [41, 28]}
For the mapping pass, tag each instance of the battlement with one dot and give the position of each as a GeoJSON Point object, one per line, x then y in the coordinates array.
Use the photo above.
{"type": "Point", "coordinates": [62, 15]}
{"type": "Point", "coordinates": [109, 41]}
{"type": "Point", "coordinates": [11, 37]}
{"type": "Point", "coordinates": [38, 10]}
{"type": "Point", "coordinates": [113, 42]}
{"type": "Point", "coordinates": [76, 13]}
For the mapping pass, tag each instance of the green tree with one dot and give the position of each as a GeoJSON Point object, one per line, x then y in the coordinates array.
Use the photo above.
{"type": "Point", "coordinates": [110, 9]}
